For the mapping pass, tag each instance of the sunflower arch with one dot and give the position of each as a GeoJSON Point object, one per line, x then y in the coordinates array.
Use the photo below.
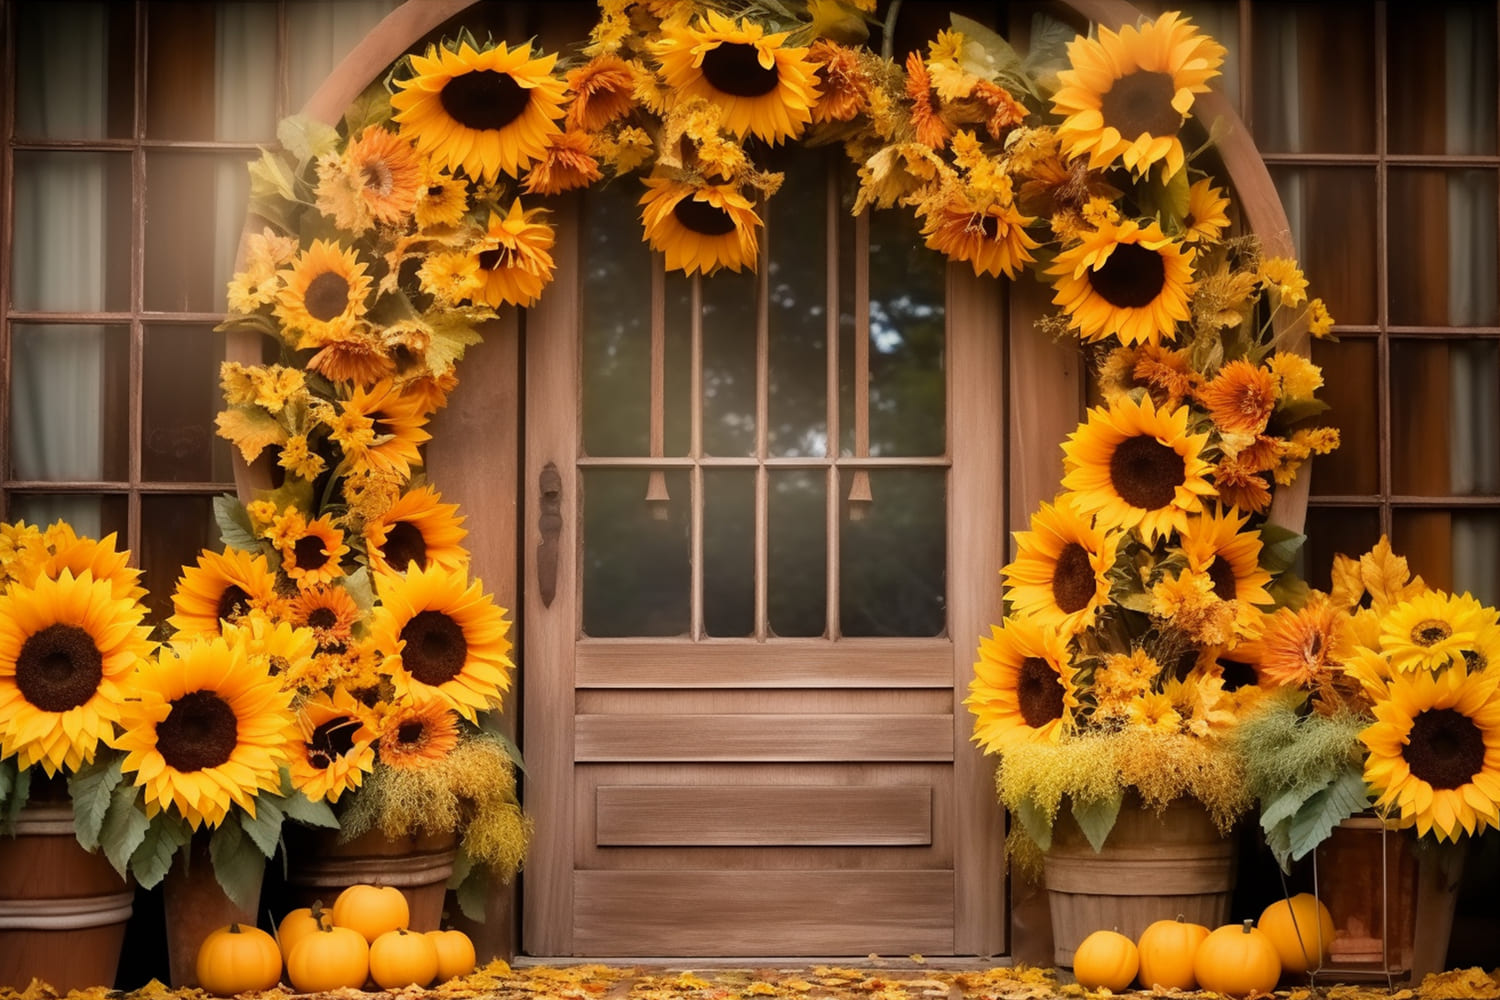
{"type": "Point", "coordinates": [1045, 390]}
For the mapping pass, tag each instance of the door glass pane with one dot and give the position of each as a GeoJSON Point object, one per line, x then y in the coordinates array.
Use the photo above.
{"type": "Point", "coordinates": [74, 70]}
{"type": "Point", "coordinates": [72, 232]}
{"type": "Point", "coordinates": [1442, 255]}
{"type": "Point", "coordinates": [90, 515]}
{"type": "Point", "coordinates": [729, 363]}
{"type": "Point", "coordinates": [189, 259]}
{"type": "Point", "coordinates": [1332, 214]}
{"type": "Point", "coordinates": [797, 245]}
{"type": "Point", "coordinates": [179, 401]}
{"type": "Point", "coordinates": [635, 554]}
{"type": "Point", "coordinates": [615, 314]}
{"type": "Point", "coordinates": [69, 402]}
{"type": "Point", "coordinates": [1441, 85]}
{"type": "Point", "coordinates": [796, 555]}
{"type": "Point", "coordinates": [1445, 391]}
{"type": "Point", "coordinates": [1453, 550]}
{"type": "Point", "coordinates": [729, 552]}
{"type": "Point", "coordinates": [1330, 531]}
{"type": "Point", "coordinates": [1303, 52]}
{"type": "Point", "coordinates": [177, 529]}
{"type": "Point", "coordinates": [1351, 377]}
{"type": "Point", "coordinates": [892, 576]}
{"type": "Point", "coordinates": [907, 324]}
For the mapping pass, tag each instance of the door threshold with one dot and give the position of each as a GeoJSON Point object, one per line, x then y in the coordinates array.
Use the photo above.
{"type": "Point", "coordinates": [784, 963]}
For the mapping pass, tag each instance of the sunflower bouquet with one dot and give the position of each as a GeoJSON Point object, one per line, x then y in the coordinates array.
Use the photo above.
{"type": "Point", "coordinates": [1384, 698]}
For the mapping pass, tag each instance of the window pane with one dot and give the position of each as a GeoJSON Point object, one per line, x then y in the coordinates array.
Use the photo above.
{"type": "Point", "coordinates": [320, 33]}
{"type": "Point", "coordinates": [893, 557]}
{"type": "Point", "coordinates": [616, 320]}
{"type": "Point", "coordinates": [907, 326]}
{"type": "Point", "coordinates": [179, 400]}
{"type": "Point", "coordinates": [797, 554]}
{"type": "Point", "coordinates": [1443, 248]}
{"type": "Point", "coordinates": [195, 212]}
{"type": "Point", "coordinates": [1332, 531]}
{"type": "Point", "coordinates": [1351, 388]}
{"type": "Point", "coordinates": [1451, 549]}
{"type": "Point", "coordinates": [1441, 88]}
{"type": "Point", "coordinates": [1304, 54]}
{"type": "Point", "coordinates": [1444, 417]}
{"type": "Point", "coordinates": [1333, 219]}
{"type": "Point", "coordinates": [174, 530]}
{"type": "Point", "coordinates": [635, 555]}
{"type": "Point", "coordinates": [729, 363]}
{"type": "Point", "coordinates": [90, 515]}
{"type": "Point", "coordinates": [72, 238]}
{"type": "Point", "coordinates": [729, 552]}
{"type": "Point", "coordinates": [797, 245]}
{"type": "Point", "coordinates": [69, 403]}
{"type": "Point", "coordinates": [219, 81]}
{"type": "Point", "coordinates": [74, 70]}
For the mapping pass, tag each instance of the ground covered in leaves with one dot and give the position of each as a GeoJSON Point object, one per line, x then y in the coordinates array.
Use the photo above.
{"type": "Point", "coordinates": [912, 981]}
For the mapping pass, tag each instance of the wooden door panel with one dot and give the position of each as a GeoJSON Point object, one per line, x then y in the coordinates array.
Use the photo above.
{"type": "Point", "coordinates": [714, 912]}
{"type": "Point", "coordinates": [791, 663]}
{"type": "Point", "coordinates": [759, 737]}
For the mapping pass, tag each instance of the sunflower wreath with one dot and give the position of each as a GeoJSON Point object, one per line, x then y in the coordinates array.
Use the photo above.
{"type": "Point", "coordinates": [378, 249]}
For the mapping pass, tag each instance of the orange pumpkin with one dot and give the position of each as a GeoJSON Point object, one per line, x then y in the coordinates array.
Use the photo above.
{"type": "Point", "coordinates": [238, 959]}
{"type": "Point", "coordinates": [329, 959]}
{"type": "Point", "coordinates": [1302, 930]}
{"type": "Point", "coordinates": [455, 953]}
{"type": "Point", "coordinates": [1106, 959]}
{"type": "Point", "coordinates": [1237, 960]}
{"type": "Point", "coordinates": [371, 909]}
{"type": "Point", "coordinates": [403, 958]}
{"type": "Point", "coordinates": [1167, 950]}
{"type": "Point", "coordinates": [299, 923]}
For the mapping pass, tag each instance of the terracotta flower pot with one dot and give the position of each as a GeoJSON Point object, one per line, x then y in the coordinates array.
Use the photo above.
{"type": "Point", "coordinates": [195, 905]}
{"type": "Point", "coordinates": [320, 866]}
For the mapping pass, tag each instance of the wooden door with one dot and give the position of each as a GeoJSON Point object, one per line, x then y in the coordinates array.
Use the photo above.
{"type": "Point", "coordinates": [763, 523]}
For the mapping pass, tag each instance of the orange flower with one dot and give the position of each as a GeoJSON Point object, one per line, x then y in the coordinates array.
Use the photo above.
{"type": "Point", "coordinates": [564, 166]}
{"type": "Point", "coordinates": [844, 85]}
{"type": "Point", "coordinates": [1240, 398]}
{"type": "Point", "coordinates": [930, 127]}
{"type": "Point", "coordinates": [603, 89]}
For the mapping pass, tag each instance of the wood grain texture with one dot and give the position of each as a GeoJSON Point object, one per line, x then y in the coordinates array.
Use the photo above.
{"type": "Point", "coordinates": [763, 737]}
{"type": "Point", "coordinates": [764, 913]}
{"type": "Point", "coordinates": [762, 815]}
{"type": "Point", "coordinates": [805, 663]}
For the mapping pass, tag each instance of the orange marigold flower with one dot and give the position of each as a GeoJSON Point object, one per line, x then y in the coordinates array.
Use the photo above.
{"type": "Point", "coordinates": [565, 165]}
{"type": "Point", "coordinates": [1240, 398]}
{"type": "Point", "coordinates": [844, 86]}
{"type": "Point", "coordinates": [603, 89]}
{"type": "Point", "coordinates": [931, 130]}
{"type": "Point", "coordinates": [1241, 485]}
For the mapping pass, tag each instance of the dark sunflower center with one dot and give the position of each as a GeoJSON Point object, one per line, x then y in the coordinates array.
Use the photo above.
{"type": "Point", "coordinates": [233, 602]}
{"type": "Point", "coordinates": [59, 668]}
{"type": "Point", "coordinates": [200, 731]}
{"type": "Point", "coordinates": [310, 553]}
{"type": "Point", "coordinates": [405, 544]}
{"type": "Point", "coordinates": [484, 99]}
{"type": "Point", "coordinates": [1039, 692]}
{"type": "Point", "coordinates": [1238, 674]}
{"type": "Point", "coordinates": [1475, 660]}
{"type": "Point", "coordinates": [1446, 748]}
{"type": "Point", "coordinates": [1073, 583]}
{"type": "Point", "coordinates": [1131, 278]}
{"type": "Point", "coordinates": [435, 647]}
{"type": "Point", "coordinates": [377, 177]}
{"type": "Point", "coordinates": [331, 740]}
{"type": "Point", "coordinates": [734, 68]}
{"type": "Point", "coordinates": [1431, 632]}
{"type": "Point", "coordinates": [701, 217]}
{"type": "Point", "coordinates": [409, 733]}
{"type": "Point", "coordinates": [494, 260]}
{"type": "Point", "coordinates": [322, 618]}
{"type": "Point", "coordinates": [1145, 472]}
{"type": "Point", "coordinates": [989, 225]}
{"type": "Point", "coordinates": [1141, 103]}
{"type": "Point", "coordinates": [327, 296]}
{"type": "Point", "coordinates": [1222, 575]}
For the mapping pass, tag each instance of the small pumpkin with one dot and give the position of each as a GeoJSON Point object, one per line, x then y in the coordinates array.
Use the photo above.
{"type": "Point", "coordinates": [1237, 960]}
{"type": "Point", "coordinates": [403, 958]}
{"type": "Point", "coordinates": [299, 923]}
{"type": "Point", "coordinates": [329, 959]}
{"type": "Point", "coordinates": [1106, 959]}
{"type": "Point", "coordinates": [371, 909]}
{"type": "Point", "coordinates": [238, 959]}
{"type": "Point", "coordinates": [455, 952]}
{"type": "Point", "coordinates": [1167, 950]}
{"type": "Point", "coordinates": [1302, 930]}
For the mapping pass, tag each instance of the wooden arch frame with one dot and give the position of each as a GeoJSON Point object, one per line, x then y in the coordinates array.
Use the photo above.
{"type": "Point", "coordinates": [1045, 380]}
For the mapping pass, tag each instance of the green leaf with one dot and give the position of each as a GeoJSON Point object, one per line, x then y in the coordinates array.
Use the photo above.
{"type": "Point", "coordinates": [301, 809]}
{"type": "Point", "coordinates": [264, 828]}
{"type": "Point", "coordinates": [1037, 823]}
{"type": "Point", "coordinates": [255, 322]}
{"type": "Point", "coordinates": [92, 789]}
{"type": "Point", "coordinates": [18, 790]}
{"type": "Point", "coordinates": [1345, 796]}
{"type": "Point", "coordinates": [165, 836]}
{"type": "Point", "coordinates": [124, 828]}
{"type": "Point", "coordinates": [306, 138]}
{"type": "Point", "coordinates": [1288, 803]}
{"type": "Point", "coordinates": [1279, 547]}
{"type": "Point", "coordinates": [358, 586]}
{"type": "Point", "coordinates": [373, 107]}
{"type": "Point", "coordinates": [1096, 817]}
{"type": "Point", "coordinates": [1278, 840]}
{"type": "Point", "coordinates": [272, 181]}
{"type": "Point", "coordinates": [234, 524]}
{"type": "Point", "coordinates": [1300, 409]}
{"type": "Point", "coordinates": [239, 864]}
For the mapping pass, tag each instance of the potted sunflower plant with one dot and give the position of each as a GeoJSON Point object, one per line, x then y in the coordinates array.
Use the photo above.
{"type": "Point", "coordinates": [72, 636]}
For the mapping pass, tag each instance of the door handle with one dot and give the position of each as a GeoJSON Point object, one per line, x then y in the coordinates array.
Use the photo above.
{"type": "Point", "coordinates": [549, 526]}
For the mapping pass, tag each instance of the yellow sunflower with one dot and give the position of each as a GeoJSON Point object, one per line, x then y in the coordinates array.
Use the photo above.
{"type": "Point", "coordinates": [442, 198]}
{"type": "Point", "coordinates": [208, 730]}
{"type": "Point", "coordinates": [515, 261]}
{"type": "Point", "coordinates": [418, 528]}
{"type": "Point", "coordinates": [1431, 629]}
{"type": "Point", "coordinates": [1060, 576]}
{"type": "Point", "coordinates": [764, 87]}
{"type": "Point", "coordinates": [67, 649]}
{"type": "Point", "coordinates": [357, 355]}
{"type": "Point", "coordinates": [442, 635]}
{"type": "Point", "coordinates": [221, 586]}
{"type": "Point", "coordinates": [700, 227]}
{"type": "Point", "coordinates": [336, 749]}
{"type": "Point", "coordinates": [1024, 685]}
{"type": "Point", "coordinates": [484, 111]}
{"type": "Point", "coordinates": [64, 549]}
{"type": "Point", "coordinates": [1206, 219]}
{"type": "Point", "coordinates": [324, 293]}
{"type": "Point", "coordinates": [1137, 467]}
{"type": "Point", "coordinates": [1434, 760]}
{"type": "Point", "coordinates": [1127, 94]}
{"type": "Point", "coordinates": [329, 610]}
{"type": "Point", "coordinates": [286, 650]}
{"type": "Point", "coordinates": [988, 232]}
{"type": "Point", "coordinates": [313, 555]}
{"type": "Point", "coordinates": [397, 424]}
{"type": "Point", "coordinates": [1127, 281]}
{"type": "Point", "coordinates": [416, 732]}
{"type": "Point", "coordinates": [1216, 543]}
